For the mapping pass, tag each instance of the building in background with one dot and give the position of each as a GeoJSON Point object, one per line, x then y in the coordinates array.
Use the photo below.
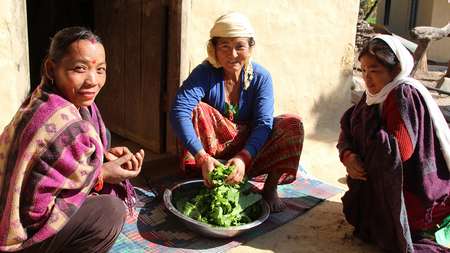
{"type": "Point", "coordinates": [400, 16]}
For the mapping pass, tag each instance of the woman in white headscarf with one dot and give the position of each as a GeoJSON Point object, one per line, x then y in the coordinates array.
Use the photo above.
{"type": "Point", "coordinates": [395, 145]}
{"type": "Point", "coordinates": [224, 110]}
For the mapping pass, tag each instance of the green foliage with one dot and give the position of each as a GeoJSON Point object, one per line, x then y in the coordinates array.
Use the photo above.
{"type": "Point", "coordinates": [371, 20]}
{"type": "Point", "coordinates": [224, 205]}
{"type": "Point", "coordinates": [365, 5]}
{"type": "Point", "coordinates": [368, 9]}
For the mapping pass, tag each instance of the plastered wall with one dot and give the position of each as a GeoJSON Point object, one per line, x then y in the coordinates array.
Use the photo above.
{"type": "Point", "coordinates": [307, 45]}
{"type": "Point", "coordinates": [14, 70]}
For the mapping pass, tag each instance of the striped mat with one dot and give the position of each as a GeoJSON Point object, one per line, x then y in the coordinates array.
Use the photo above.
{"type": "Point", "coordinates": [153, 229]}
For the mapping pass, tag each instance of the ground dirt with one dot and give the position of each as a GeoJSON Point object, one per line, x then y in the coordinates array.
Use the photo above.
{"type": "Point", "coordinates": [323, 228]}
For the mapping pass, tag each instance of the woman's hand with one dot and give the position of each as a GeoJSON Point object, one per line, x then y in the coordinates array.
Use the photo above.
{"type": "Point", "coordinates": [237, 175]}
{"type": "Point", "coordinates": [133, 164]}
{"type": "Point", "coordinates": [354, 166]}
{"type": "Point", "coordinates": [207, 167]}
{"type": "Point", "coordinates": [207, 164]}
{"type": "Point", "coordinates": [122, 165]}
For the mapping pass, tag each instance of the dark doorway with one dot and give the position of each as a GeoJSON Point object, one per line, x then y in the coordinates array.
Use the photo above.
{"type": "Point", "coordinates": [45, 18]}
{"type": "Point", "coordinates": [134, 101]}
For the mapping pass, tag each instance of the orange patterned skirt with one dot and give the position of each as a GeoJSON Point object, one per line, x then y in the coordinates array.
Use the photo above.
{"type": "Point", "coordinates": [222, 139]}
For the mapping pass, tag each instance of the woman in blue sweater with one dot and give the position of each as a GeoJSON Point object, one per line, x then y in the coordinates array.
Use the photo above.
{"type": "Point", "coordinates": [224, 110]}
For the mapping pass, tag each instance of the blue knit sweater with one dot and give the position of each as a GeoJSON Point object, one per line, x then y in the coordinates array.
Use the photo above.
{"type": "Point", "coordinates": [206, 84]}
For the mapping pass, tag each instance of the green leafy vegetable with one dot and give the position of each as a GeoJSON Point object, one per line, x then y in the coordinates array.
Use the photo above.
{"type": "Point", "coordinates": [220, 174]}
{"type": "Point", "coordinates": [224, 205]}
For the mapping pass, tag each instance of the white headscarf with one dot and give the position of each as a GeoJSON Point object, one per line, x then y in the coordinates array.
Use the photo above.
{"type": "Point", "coordinates": [407, 63]}
{"type": "Point", "coordinates": [230, 25]}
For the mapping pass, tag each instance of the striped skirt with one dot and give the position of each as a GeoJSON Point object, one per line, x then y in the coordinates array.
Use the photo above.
{"type": "Point", "coordinates": [222, 139]}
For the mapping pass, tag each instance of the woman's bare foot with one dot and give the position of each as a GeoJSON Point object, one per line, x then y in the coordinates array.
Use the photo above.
{"type": "Point", "coordinates": [270, 193]}
{"type": "Point", "coordinates": [275, 203]}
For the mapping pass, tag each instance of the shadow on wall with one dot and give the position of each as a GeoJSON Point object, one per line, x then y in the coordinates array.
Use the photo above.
{"type": "Point", "coordinates": [329, 108]}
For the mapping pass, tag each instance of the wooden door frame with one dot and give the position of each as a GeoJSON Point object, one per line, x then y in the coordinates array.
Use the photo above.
{"type": "Point", "coordinates": [177, 62]}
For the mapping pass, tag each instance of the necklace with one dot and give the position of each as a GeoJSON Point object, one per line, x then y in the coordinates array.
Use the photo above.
{"type": "Point", "coordinates": [231, 111]}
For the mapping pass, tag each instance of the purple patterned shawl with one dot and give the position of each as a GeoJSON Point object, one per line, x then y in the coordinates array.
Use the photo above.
{"type": "Point", "coordinates": [376, 207]}
{"type": "Point", "coordinates": [50, 157]}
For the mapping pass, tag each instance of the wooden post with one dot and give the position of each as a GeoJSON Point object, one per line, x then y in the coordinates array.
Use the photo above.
{"type": "Point", "coordinates": [420, 58]}
{"type": "Point", "coordinates": [178, 65]}
{"type": "Point", "coordinates": [448, 70]}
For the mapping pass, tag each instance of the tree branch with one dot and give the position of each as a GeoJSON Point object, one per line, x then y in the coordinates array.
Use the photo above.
{"type": "Point", "coordinates": [371, 10]}
{"type": "Point", "coordinates": [430, 33]}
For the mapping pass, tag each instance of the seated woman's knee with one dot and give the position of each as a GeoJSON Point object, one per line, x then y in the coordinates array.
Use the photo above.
{"type": "Point", "coordinates": [111, 208]}
{"type": "Point", "coordinates": [291, 121]}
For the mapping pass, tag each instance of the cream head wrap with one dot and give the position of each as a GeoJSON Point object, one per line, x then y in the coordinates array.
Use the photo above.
{"type": "Point", "coordinates": [406, 64]}
{"type": "Point", "coordinates": [231, 25]}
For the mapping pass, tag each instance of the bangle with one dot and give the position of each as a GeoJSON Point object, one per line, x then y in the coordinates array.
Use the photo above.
{"type": "Point", "coordinates": [99, 184]}
{"type": "Point", "coordinates": [245, 156]}
{"type": "Point", "coordinates": [202, 159]}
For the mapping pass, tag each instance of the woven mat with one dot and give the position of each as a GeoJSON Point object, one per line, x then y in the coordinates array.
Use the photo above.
{"type": "Point", "coordinates": [153, 229]}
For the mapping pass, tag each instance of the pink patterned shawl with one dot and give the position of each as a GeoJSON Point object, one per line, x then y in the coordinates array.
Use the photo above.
{"type": "Point", "coordinates": [50, 157]}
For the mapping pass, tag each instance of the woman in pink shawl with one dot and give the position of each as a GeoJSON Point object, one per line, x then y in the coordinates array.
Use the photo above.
{"type": "Point", "coordinates": [56, 193]}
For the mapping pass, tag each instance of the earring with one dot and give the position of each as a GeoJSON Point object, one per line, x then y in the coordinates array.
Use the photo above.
{"type": "Point", "coordinates": [52, 83]}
